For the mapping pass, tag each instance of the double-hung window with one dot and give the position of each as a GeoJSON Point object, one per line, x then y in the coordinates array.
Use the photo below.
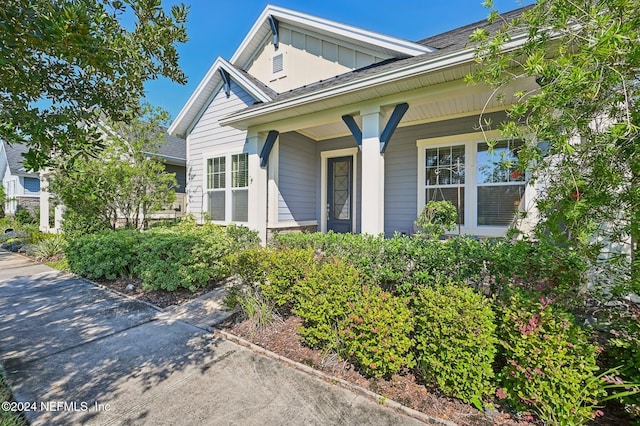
{"type": "Point", "coordinates": [500, 184]}
{"type": "Point", "coordinates": [483, 181]}
{"type": "Point", "coordinates": [445, 176]}
{"type": "Point", "coordinates": [227, 186]}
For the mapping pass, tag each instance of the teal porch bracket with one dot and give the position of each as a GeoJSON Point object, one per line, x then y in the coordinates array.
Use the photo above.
{"type": "Point", "coordinates": [394, 120]}
{"type": "Point", "coordinates": [226, 82]}
{"type": "Point", "coordinates": [275, 30]}
{"type": "Point", "coordinates": [353, 127]}
{"type": "Point", "coordinates": [268, 146]}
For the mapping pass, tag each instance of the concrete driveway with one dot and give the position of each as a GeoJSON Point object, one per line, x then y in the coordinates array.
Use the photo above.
{"type": "Point", "coordinates": [79, 354]}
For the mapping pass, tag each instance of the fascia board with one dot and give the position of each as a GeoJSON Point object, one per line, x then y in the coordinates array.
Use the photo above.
{"type": "Point", "coordinates": [204, 90]}
{"type": "Point", "coordinates": [452, 59]}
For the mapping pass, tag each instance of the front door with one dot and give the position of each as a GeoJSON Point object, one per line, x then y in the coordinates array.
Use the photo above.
{"type": "Point", "coordinates": [339, 197]}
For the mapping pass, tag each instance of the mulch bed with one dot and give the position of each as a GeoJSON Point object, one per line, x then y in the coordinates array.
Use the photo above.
{"type": "Point", "coordinates": [282, 338]}
{"type": "Point", "coordinates": [160, 298]}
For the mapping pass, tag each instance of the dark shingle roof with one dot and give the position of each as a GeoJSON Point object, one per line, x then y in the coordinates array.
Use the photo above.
{"type": "Point", "coordinates": [447, 42]}
{"type": "Point", "coordinates": [173, 147]}
{"type": "Point", "coordinates": [15, 158]}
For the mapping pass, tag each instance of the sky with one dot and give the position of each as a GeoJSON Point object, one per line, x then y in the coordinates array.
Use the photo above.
{"type": "Point", "coordinates": [217, 27]}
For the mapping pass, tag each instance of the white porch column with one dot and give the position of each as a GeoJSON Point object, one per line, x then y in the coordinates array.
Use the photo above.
{"type": "Point", "coordinates": [257, 218]}
{"type": "Point", "coordinates": [372, 206]}
{"type": "Point", "coordinates": [44, 203]}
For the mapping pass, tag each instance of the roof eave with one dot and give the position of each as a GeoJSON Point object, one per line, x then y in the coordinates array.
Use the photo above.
{"type": "Point", "coordinates": [204, 90]}
{"type": "Point", "coordinates": [429, 65]}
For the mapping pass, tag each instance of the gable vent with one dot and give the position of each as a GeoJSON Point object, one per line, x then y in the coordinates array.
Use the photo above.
{"type": "Point", "coordinates": [278, 63]}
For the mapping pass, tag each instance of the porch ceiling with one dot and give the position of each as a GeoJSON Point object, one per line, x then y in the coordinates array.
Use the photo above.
{"type": "Point", "coordinates": [424, 107]}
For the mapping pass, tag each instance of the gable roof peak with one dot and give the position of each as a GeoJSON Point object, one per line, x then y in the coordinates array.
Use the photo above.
{"type": "Point", "coordinates": [392, 46]}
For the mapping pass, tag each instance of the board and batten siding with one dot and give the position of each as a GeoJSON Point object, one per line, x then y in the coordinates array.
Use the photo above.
{"type": "Point", "coordinates": [297, 191]}
{"type": "Point", "coordinates": [207, 135]}
{"type": "Point", "coordinates": [401, 168]}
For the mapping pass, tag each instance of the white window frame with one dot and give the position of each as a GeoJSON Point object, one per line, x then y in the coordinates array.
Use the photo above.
{"type": "Point", "coordinates": [470, 141]}
{"type": "Point", "coordinates": [228, 189]}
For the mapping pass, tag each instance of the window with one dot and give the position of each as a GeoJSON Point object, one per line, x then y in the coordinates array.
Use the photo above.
{"type": "Point", "coordinates": [483, 179]}
{"type": "Point", "coordinates": [31, 185]}
{"type": "Point", "coordinates": [445, 170]}
{"type": "Point", "coordinates": [228, 188]}
{"type": "Point", "coordinates": [500, 184]}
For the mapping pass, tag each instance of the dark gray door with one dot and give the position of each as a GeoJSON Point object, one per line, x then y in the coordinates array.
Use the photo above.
{"type": "Point", "coordinates": [339, 197]}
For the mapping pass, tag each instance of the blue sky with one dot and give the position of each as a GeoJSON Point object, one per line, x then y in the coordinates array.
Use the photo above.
{"type": "Point", "coordinates": [217, 27]}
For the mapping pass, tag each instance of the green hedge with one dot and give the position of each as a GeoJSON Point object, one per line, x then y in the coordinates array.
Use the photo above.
{"type": "Point", "coordinates": [186, 255]}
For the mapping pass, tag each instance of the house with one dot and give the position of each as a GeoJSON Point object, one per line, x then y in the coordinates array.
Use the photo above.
{"type": "Point", "coordinates": [318, 125]}
{"type": "Point", "coordinates": [172, 153]}
{"type": "Point", "coordinates": [21, 188]}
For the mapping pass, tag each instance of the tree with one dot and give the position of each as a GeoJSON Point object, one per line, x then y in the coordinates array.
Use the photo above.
{"type": "Point", "coordinates": [64, 62]}
{"type": "Point", "coordinates": [585, 57]}
{"type": "Point", "coordinates": [124, 181]}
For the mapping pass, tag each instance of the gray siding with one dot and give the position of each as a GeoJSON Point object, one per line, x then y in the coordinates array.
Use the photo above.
{"type": "Point", "coordinates": [208, 135]}
{"type": "Point", "coordinates": [297, 178]}
{"type": "Point", "coordinates": [401, 168]}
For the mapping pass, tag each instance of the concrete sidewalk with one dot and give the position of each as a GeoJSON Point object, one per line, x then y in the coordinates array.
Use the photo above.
{"type": "Point", "coordinates": [80, 354]}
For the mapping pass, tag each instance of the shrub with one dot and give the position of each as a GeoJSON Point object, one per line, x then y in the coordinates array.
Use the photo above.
{"type": "Point", "coordinates": [455, 340]}
{"type": "Point", "coordinates": [249, 264]}
{"type": "Point", "coordinates": [107, 254]}
{"type": "Point", "coordinates": [321, 300]}
{"type": "Point", "coordinates": [549, 363]}
{"type": "Point", "coordinates": [24, 216]}
{"type": "Point", "coordinates": [48, 247]}
{"type": "Point", "coordinates": [376, 333]}
{"type": "Point", "coordinates": [75, 224]}
{"type": "Point", "coordinates": [189, 255]}
{"type": "Point", "coordinates": [284, 268]}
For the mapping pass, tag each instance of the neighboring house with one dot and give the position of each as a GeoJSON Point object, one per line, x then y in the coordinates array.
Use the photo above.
{"type": "Point", "coordinates": [318, 125]}
{"type": "Point", "coordinates": [22, 188]}
{"type": "Point", "coordinates": [172, 153]}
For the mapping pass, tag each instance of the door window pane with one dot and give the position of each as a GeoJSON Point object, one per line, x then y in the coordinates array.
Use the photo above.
{"type": "Point", "coordinates": [341, 190]}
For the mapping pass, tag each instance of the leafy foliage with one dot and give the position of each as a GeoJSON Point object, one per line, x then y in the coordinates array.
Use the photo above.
{"type": "Point", "coordinates": [377, 332]}
{"type": "Point", "coordinates": [123, 181]}
{"type": "Point", "coordinates": [107, 254]}
{"type": "Point", "coordinates": [455, 340]}
{"type": "Point", "coordinates": [71, 59]}
{"type": "Point", "coordinates": [284, 268]}
{"type": "Point", "coordinates": [549, 365]}
{"type": "Point", "coordinates": [321, 300]}
{"type": "Point", "coordinates": [47, 248]}
{"type": "Point", "coordinates": [436, 218]}
{"type": "Point", "coordinates": [584, 58]}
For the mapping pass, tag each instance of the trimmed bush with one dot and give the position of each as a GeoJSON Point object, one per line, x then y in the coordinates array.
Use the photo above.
{"type": "Point", "coordinates": [105, 255]}
{"type": "Point", "coordinates": [376, 333]}
{"type": "Point", "coordinates": [455, 340]}
{"type": "Point", "coordinates": [188, 255]}
{"type": "Point", "coordinates": [549, 364]}
{"type": "Point", "coordinates": [321, 300]}
{"type": "Point", "coordinates": [284, 268]}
